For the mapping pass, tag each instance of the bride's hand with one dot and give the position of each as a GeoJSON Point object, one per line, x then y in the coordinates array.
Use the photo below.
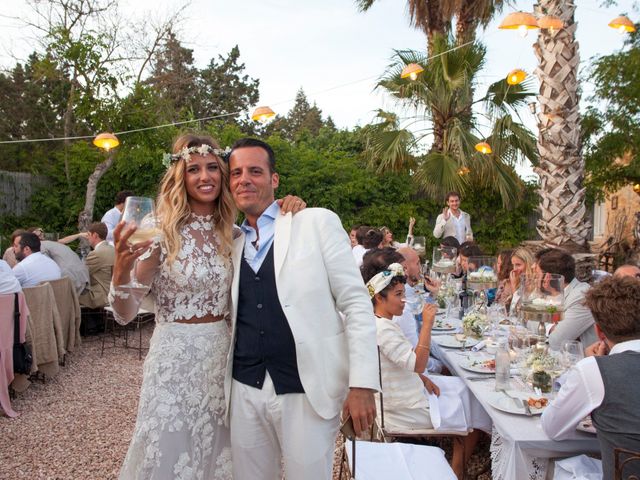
{"type": "Point", "coordinates": [126, 254]}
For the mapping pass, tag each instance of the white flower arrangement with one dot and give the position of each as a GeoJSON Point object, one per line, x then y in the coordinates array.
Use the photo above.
{"type": "Point", "coordinates": [541, 361]}
{"type": "Point", "coordinates": [474, 323]}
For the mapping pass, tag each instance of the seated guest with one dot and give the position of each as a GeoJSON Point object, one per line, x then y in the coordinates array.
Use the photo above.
{"type": "Point", "coordinates": [450, 242]}
{"type": "Point", "coordinates": [577, 322]}
{"type": "Point", "coordinates": [466, 251]}
{"type": "Point", "coordinates": [100, 264]}
{"type": "Point", "coordinates": [414, 305]}
{"type": "Point", "coordinates": [627, 271]}
{"type": "Point", "coordinates": [387, 238]}
{"type": "Point", "coordinates": [406, 404]}
{"type": "Point", "coordinates": [372, 239]}
{"type": "Point", "coordinates": [599, 385]}
{"type": "Point", "coordinates": [522, 262]}
{"type": "Point", "coordinates": [33, 267]}
{"type": "Point", "coordinates": [8, 281]}
{"type": "Point", "coordinates": [352, 235]}
{"type": "Point", "coordinates": [9, 255]}
{"type": "Point", "coordinates": [69, 262]}
{"type": "Point", "coordinates": [600, 347]}
{"type": "Point", "coordinates": [358, 251]}
{"type": "Point", "coordinates": [113, 216]}
{"type": "Point", "coordinates": [504, 268]}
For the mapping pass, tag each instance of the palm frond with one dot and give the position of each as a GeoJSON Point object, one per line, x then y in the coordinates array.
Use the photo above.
{"type": "Point", "coordinates": [437, 173]}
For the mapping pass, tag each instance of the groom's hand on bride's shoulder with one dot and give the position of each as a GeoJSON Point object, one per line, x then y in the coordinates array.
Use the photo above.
{"type": "Point", "coordinates": [361, 405]}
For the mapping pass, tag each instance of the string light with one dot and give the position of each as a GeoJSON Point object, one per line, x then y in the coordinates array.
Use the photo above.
{"type": "Point", "coordinates": [484, 148]}
{"type": "Point", "coordinates": [516, 76]}
{"type": "Point", "coordinates": [412, 70]}
{"type": "Point", "coordinates": [622, 24]}
{"type": "Point", "coordinates": [521, 21]}
{"type": "Point", "coordinates": [106, 141]}
{"type": "Point", "coordinates": [262, 114]}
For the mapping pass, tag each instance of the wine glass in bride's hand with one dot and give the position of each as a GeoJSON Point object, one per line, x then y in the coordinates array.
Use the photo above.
{"type": "Point", "coordinates": [139, 212]}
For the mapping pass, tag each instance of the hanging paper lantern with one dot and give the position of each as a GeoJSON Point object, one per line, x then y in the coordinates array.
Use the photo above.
{"type": "Point", "coordinates": [106, 141]}
{"type": "Point", "coordinates": [412, 70]}
{"type": "Point", "coordinates": [484, 148]}
{"type": "Point", "coordinates": [262, 114]}
{"type": "Point", "coordinates": [516, 76]}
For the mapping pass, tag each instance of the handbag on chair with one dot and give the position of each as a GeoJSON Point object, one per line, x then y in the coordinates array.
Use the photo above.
{"type": "Point", "coordinates": [22, 358]}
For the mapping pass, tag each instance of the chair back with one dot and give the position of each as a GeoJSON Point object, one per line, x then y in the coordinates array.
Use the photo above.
{"type": "Point", "coordinates": [45, 328]}
{"type": "Point", "coordinates": [68, 305]}
{"type": "Point", "coordinates": [626, 460]}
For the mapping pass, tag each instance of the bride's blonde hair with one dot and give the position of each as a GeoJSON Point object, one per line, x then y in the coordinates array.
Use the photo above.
{"type": "Point", "coordinates": [173, 208]}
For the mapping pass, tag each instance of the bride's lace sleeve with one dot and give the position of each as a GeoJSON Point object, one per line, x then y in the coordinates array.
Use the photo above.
{"type": "Point", "coordinates": [124, 299]}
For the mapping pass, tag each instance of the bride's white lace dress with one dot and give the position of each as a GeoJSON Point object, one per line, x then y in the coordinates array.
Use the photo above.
{"type": "Point", "coordinates": [179, 432]}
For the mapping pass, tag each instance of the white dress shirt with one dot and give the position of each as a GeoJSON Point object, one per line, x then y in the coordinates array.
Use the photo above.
{"type": "Point", "coordinates": [111, 220]}
{"type": "Point", "coordinates": [36, 268]}
{"type": "Point", "coordinates": [262, 239]}
{"type": "Point", "coordinates": [8, 281]}
{"type": "Point", "coordinates": [358, 252]}
{"type": "Point", "coordinates": [459, 227]}
{"type": "Point", "coordinates": [577, 322]}
{"type": "Point", "coordinates": [582, 392]}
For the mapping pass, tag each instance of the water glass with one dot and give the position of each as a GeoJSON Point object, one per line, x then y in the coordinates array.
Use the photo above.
{"type": "Point", "coordinates": [572, 353]}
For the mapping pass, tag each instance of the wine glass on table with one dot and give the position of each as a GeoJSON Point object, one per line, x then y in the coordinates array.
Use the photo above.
{"type": "Point", "coordinates": [462, 338]}
{"type": "Point", "coordinates": [572, 353]}
{"type": "Point", "coordinates": [140, 212]}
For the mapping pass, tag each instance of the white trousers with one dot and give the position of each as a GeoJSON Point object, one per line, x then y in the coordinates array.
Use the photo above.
{"type": "Point", "coordinates": [267, 429]}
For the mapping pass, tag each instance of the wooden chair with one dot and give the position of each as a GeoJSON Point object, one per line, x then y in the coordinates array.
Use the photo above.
{"type": "Point", "coordinates": [44, 329]}
{"type": "Point", "coordinates": [622, 458]}
{"type": "Point", "coordinates": [68, 305]}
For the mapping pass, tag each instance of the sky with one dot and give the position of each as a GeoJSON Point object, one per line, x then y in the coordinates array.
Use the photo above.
{"type": "Point", "coordinates": [330, 49]}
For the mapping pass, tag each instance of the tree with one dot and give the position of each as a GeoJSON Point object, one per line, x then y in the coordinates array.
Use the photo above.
{"type": "Point", "coordinates": [611, 126]}
{"type": "Point", "coordinates": [443, 99]}
{"type": "Point", "coordinates": [434, 17]}
{"type": "Point", "coordinates": [302, 117]}
{"type": "Point", "coordinates": [563, 220]}
{"type": "Point", "coordinates": [174, 76]}
{"type": "Point", "coordinates": [223, 88]}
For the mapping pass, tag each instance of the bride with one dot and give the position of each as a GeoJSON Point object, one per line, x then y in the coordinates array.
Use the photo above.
{"type": "Point", "coordinates": [179, 432]}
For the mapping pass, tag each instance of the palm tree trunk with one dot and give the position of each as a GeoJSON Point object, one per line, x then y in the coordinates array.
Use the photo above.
{"type": "Point", "coordinates": [563, 220]}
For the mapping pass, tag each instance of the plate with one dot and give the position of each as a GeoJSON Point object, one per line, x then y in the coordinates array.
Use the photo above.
{"type": "Point", "coordinates": [586, 425]}
{"type": "Point", "coordinates": [501, 402]}
{"type": "Point", "coordinates": [478, 366]}
{"type": "Point", "coordinates": [451, 342]}
{"type": "Point", "coordinates": [441, 325]}
{"type": "Point", "coordinates": [441, 311]}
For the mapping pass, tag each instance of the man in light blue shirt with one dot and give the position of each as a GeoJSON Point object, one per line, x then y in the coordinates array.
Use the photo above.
{"type": "Point", "coordinates": [257, 246]}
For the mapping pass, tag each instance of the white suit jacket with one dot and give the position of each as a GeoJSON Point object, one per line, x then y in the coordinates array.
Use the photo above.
{"type": "Point", "coordinates": [448, 228]}
{"type": "Point", "coordinates": [316, 277]}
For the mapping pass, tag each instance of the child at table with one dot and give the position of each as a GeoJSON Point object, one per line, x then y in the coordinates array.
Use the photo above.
{"type": "Point", "coordinates": [410, 397]}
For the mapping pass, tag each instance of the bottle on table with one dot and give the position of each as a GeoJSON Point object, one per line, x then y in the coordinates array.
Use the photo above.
{"type": "Point", "coordinates": [503, 365]}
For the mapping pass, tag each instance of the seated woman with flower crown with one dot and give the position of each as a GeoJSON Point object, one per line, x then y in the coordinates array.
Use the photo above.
{"type": "Point", "coordinates": [410, 397]}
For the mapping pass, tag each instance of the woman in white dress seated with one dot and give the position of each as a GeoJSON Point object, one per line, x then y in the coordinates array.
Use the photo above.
{"type": "Point", "coordinates": [406, 389]}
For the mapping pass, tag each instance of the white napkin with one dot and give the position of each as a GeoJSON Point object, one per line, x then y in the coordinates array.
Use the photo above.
{"type": "Point", "coordinates": [479, 346]}
{"type": "Point", "coordinates": [578, 468]}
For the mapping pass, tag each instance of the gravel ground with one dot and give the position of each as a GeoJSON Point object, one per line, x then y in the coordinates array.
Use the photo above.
{"type": "Point", "coordinates": [78, 424]}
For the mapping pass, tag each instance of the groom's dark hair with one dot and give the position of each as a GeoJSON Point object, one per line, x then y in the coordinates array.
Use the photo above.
{"type": "Point", "coordinates": [254, 142]}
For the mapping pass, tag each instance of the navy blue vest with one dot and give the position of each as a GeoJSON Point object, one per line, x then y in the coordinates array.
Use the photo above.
{"type": "Point", "coordinates": [264, 341]}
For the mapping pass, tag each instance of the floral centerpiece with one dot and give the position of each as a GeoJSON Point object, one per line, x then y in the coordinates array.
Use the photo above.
{"type": "Point", "coordinates": [541, 364]}
{"type": "Point", "coordinates": [474, 324]}
{"type": "Point", "coordinates": [446, 290]}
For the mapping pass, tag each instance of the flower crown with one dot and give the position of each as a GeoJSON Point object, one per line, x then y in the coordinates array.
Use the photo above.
{"type": "Point", "coordinates": [185, 154]}
{"type": "Point", "coordinates": [381, 280]}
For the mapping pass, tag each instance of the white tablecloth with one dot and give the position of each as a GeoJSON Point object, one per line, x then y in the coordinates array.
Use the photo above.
{"type": "Point", "coordinates": [519, 449]}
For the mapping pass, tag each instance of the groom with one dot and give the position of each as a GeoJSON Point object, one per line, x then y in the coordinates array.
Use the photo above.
{"type": "Point", "coordinates": [294, 360]}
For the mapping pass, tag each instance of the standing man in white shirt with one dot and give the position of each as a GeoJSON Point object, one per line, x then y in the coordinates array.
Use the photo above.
{"type": "Point", "coordinates": [605, 386]}
{"type": "Point", "coordinates": [453, 222]}
{"type": "Point", "coordinates": [112, 217]}
{"type": "Point", "coordinates": [33, 267]}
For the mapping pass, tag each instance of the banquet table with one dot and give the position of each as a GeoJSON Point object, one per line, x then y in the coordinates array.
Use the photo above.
{"type": "Point", "coordinates": [519, 447]}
